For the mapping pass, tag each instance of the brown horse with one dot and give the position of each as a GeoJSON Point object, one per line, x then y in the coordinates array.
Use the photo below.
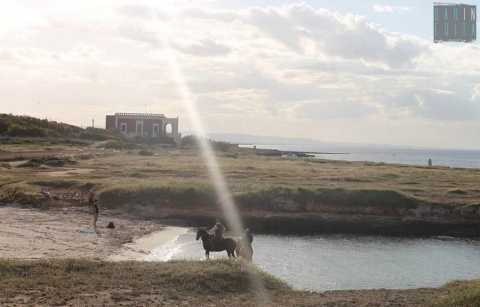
{"type": "Point", "coordinates": [210, 244]}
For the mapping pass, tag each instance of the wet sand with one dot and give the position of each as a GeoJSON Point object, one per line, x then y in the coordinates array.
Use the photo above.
{"type": "Point", "coordinates": [141, 247]}
{"type": "Point", "coordinates": [67, 233]}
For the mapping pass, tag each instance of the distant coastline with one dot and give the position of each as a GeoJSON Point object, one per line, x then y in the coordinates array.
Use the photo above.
{"type": "Point", "coordinates": [453, 158]}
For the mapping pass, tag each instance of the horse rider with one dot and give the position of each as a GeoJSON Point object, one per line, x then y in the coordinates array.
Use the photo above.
{"type": "Point", "coordinates": [218, 230]}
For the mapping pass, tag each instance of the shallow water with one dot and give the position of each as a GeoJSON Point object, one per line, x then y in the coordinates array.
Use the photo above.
{"type": "Point", "coordinates": [349, 262]}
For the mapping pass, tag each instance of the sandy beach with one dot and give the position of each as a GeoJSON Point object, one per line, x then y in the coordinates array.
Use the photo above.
{"type": "Point", "coordinates": [142, 247]}
{"type": "Point", "coordinates": [68, 233]}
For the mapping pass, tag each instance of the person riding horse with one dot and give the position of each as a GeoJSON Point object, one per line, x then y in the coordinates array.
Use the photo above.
{"type": "Point", "coordinates": [211, 243]}
{"type": "Point", "coordinates": [218, 230]}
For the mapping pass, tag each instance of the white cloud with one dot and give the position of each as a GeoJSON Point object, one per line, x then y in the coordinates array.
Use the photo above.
{"type": "Point", "coordinates": [288, 70]}
{"type": "Point", "coordinates": [347, 36]}
{"type": "Point", "coordinates": [205, 47]}
{"type": "Point", "coordinates": [379, 8]}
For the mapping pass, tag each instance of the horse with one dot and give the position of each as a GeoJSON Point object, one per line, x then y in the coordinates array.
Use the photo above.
{"type": "Point", "coordinates": [244, 247]}
{"type": "Point", "coordinates": [210, 244]}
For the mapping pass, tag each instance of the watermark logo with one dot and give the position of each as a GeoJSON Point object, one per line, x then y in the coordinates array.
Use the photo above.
{"type": "Point", "coordinates": [454, 22]}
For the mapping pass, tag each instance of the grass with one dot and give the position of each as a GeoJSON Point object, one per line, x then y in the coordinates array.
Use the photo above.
{"type": "Point", "coordinates": [59, 282]}
{"type": "Point", "coordinates": [255, 179]}
{"type": "Point", "coordinates": [176, 283]}
{"type": "Point", "coordinates": [460, 294]}
{"type": "Point", "coordinates": [174, 183]}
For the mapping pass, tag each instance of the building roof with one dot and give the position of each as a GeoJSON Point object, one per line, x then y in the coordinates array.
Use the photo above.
{"type": "Point", "coordinates": [140, 115]}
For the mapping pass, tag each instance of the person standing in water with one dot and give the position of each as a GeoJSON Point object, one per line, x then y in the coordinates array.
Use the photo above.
{"type": "Point", "coordinates": [93, 203]}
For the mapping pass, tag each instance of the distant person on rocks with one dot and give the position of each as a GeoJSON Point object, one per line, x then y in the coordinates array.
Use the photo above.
{"type": "Point", "coordinates": [218, 230]}
{"type": "Point", "coordinates": [430, 163]}
{"type": "Point", "coordinates": [93, 203]}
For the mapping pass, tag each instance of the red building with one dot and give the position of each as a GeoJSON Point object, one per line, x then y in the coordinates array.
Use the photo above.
{"type": "Point", "coordinates": [144, 125]}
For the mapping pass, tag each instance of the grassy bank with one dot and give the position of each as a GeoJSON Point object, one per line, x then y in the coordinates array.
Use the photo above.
{"type": "Point", "coordinates": [273, 194]}
{"type": "Point", "coordinates": [460, 294]}
{"type": "Point", "coordinates": [78, 282]}
{"type": "Point", "coordinates": [207, 283]}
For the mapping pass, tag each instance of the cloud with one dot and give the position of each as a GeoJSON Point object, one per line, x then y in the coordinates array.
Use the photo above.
{"type": "Point", "coordinates": [139, 34]}
{"type": "Point", "coordinates": [205, 47]}
{"type": "Point", "coordinates": [141, 11]}
{"type": "Point", "coordinates": [451, 104]}
{"type": "Point", "coordinates": [336, 35]}
{"type": "Point", "coordinates": [379, 8]}
{"type": "Point", "coordinates": [293, 69]}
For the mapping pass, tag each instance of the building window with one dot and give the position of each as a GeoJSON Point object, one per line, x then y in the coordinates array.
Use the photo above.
{"type": "Point", "coordinates": [123, 127]}
{"type": "Point", "coordinates": [139, 128]}
{"type": "Point", "coordinates": [436, 13]}
{"type": "Point", "coordinates": [473, 15]}
{"type": "Point", "coordinates": [445, 28]}
{"type": "Point", "coordinates": [446, 13]}
{"type": "Point", "coordinates": [455, 13]}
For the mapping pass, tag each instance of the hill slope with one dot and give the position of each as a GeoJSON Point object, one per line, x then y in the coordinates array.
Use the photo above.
{"type": "Point", "coordinates": [30, 127]}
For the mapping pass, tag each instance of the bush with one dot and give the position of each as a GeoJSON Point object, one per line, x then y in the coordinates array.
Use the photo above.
{"type": "Point", "coordinates": [22, 131]}
{"type": "Point", "coordinates": [189, 141]}
{"type": "Point", "coordinates": [192, 141]}
{"type": "Point", "coordinates": [145, 153]}
{"type": "Point", "coordinates": [3, 126]}
{"type": "Point", "coordinates": [119, 145]}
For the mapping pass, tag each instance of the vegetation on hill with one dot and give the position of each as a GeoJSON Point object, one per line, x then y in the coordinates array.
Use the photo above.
{"type": "Point", "coordinates": [26, 126]}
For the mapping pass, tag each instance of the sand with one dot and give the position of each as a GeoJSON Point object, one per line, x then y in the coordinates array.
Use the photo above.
{"type": "Point", "coordinates": [68, 233]}
{"type": "Point", "coordinates": [141, 248]}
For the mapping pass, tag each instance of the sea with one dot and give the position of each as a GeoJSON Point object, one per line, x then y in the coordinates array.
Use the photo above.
{"type": "Point", "coordinates": [455, 158]}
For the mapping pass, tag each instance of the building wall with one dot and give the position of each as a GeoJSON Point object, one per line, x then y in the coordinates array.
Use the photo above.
{"type": "Point", "coordinates": [148, 127]}
{"type": "Point", "coordinates": [130, 124]}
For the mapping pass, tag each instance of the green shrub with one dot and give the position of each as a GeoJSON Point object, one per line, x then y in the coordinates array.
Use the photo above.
{"type": "Point", "coordinates": [145, 152]}
{"type": "Point", "coordinates": [3, 126]}
{"type": "Point", "coordinates": [25, 131]}
{"type": "Point", "coordinates": [119, 145]}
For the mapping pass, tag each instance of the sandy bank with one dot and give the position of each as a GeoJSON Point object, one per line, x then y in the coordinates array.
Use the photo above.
{"type": "Point", "coordinates": [140, 248]}
{"type": "Point", "coordinates": [65, 233]}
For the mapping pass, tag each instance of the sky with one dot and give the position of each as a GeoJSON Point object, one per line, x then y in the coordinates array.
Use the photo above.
{"type": "Point", "coordinates": [338, 71]}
